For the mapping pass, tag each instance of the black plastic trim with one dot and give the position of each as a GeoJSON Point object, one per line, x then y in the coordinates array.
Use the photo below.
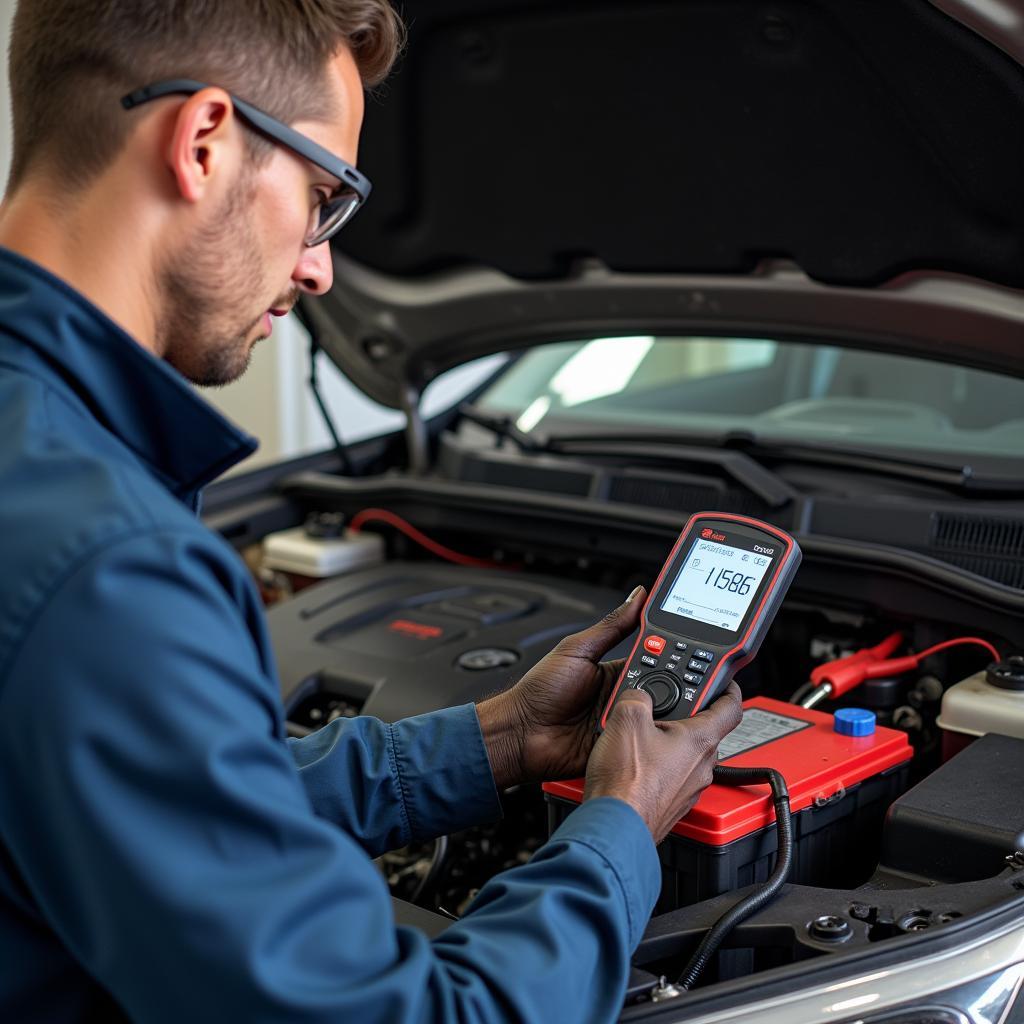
{"type": "Point", "coordinates": [782, 981]}
{"type": "Point", "coordinates": [905, 583]}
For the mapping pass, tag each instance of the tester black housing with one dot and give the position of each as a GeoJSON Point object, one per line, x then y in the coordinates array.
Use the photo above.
{"type": "Point", "coordinates": [713, 602]}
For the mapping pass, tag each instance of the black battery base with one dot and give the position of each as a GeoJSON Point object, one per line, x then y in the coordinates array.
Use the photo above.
{"type": "Point", "coordinates": [834, 845]}
{"type": "Point", "coordinates": [840, 787]}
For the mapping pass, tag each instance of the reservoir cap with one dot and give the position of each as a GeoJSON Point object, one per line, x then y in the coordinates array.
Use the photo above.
{"type": "Point", "coordinates": [1007, 675]}
{"type": "Point", "coordinates": [854, 722]}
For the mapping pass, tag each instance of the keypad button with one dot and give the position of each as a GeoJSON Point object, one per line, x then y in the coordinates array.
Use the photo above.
{"type": "Point", "coordinates": [692, 678]}
{"type": "Point", "coordinates": [689, 693]}
{"type": "Point", "coordinates": [648, 660]}
{"type": "Point", "coordinates": [696, 666]}
{"type": "Point", "coordinates": [655, 644]}
{"type": "Point", "coordinates": [664, 691]}
{"type": "Point", "coordinates": [675, 657]}
{"type": "Point", "coordinates": [680, 646]}
{"type": "Point", "coordinates": [704, 655]}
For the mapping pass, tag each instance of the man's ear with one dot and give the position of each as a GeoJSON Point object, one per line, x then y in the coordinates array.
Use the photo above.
{"type": "Point", "coordinates": [200, 145]}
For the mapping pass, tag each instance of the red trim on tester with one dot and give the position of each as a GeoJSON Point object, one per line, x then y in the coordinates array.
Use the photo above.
{"type": "Point", "coordinates": [729, 517]}
{"type": "Point", "coordinates": [643, 632]}
{"type": "Point", "coordinates": [618, 685]}
{"type": "Point", "coordinates": [709, 686]}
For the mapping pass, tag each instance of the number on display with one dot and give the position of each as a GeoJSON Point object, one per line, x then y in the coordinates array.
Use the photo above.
{"type": "Point", "coordinates": [728, 579]}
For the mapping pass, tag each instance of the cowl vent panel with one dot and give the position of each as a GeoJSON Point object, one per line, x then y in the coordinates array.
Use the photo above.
{"type": "Point", "coordinates": [989, 547]}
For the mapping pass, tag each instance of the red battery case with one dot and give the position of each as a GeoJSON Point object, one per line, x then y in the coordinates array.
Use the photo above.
{"type": "Point", "coordinates": [840, 788]}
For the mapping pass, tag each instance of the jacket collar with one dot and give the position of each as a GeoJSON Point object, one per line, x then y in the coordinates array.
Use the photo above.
{"type": "Point", "coordinates": [147, 404]}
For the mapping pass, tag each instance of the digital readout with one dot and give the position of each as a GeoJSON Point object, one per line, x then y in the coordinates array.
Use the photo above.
{"type": "Point", "coordinates": [716, 584]}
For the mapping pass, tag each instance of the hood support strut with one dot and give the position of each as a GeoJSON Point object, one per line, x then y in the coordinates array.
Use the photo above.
{"type": "Point", "coordinates": [416, 440]}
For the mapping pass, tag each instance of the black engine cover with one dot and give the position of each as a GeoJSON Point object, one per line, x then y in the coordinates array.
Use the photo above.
{"type": "Point", "coordinates": [404, 638]}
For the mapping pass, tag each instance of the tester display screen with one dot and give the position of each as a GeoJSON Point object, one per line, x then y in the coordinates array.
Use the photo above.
{"type": "Point", "coordinates": [716, 584]}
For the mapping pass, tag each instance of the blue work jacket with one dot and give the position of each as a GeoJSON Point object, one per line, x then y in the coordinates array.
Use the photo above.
{"type": "Point", "coordinates": [166, 853]}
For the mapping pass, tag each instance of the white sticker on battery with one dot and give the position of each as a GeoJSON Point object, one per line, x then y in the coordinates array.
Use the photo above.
{"type": "Point", "coordinates": [757, 728]}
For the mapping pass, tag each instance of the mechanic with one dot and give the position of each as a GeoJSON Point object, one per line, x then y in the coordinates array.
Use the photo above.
{"type": "Point", "coordinates": [166, 853]}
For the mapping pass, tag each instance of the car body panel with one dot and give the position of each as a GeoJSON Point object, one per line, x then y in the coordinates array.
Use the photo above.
{"type": "Point", "coordinates": [804, 166]}
{"type": "Point", "coordinates": [389, 336]}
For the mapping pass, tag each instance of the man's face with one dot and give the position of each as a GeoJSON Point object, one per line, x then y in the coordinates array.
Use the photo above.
{"type": "Point", "coordinates": [247, 261]}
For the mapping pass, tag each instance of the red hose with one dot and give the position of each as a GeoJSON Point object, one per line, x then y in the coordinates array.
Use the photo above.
{"type": "Point", "coordinates": [380, 515]}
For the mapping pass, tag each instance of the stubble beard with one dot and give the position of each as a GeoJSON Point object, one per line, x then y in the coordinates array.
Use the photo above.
{"type": "Point", "coordinates": [201, 331]}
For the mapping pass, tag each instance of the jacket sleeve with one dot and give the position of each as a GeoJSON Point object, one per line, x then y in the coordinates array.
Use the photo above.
{"type": "Point", "coordinates": [160, 824]}
{"type": "Point", "coordinates": [390, 785]}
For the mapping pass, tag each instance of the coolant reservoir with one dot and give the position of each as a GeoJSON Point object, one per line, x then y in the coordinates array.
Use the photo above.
{"type": "Point", "coordinates": [321, 548]}
{"type": "Point", "coordinates": [988, 701]}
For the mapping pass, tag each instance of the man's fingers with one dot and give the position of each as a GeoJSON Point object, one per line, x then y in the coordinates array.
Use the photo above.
{"type": "Point", "coordinates": [633, 706]}
{"type": "Point", "coordinates": [708, 728]}
{"type": "Point", "coordinates": [613, 669]}
{"type": "Point", "coordinates": [725, 712]}
{"type": "Point", "coordinates": [593, 643]}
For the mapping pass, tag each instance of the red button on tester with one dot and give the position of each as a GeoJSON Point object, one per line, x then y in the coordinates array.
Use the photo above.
{"type": "Point", "coordinates": [655, 644]}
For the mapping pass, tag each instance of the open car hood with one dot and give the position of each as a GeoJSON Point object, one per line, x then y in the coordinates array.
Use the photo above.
{"type": "Point", "coordinates": [810, 168]}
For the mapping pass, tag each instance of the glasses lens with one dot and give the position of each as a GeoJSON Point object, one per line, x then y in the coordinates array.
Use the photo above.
{"type": "Point", "coordinates": [333, 216]}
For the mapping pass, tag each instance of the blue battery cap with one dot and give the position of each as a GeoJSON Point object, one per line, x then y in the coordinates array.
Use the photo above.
{"type": "Point", "coordinates": [854, 722]}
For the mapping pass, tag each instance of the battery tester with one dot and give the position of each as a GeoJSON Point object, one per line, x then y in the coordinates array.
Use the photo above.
{"type": "Point", "coordinates": [706, 617]}
{"type": "Point", "coordinates": [712, 605]}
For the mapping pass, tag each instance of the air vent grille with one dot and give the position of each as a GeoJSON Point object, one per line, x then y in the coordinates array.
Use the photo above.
{"type": "Point", "coordinates": [989, 547]}
{"type": "Point", "coordinates": [986, 536]}
{"type": "Point", "coordinates": [1005, 571]}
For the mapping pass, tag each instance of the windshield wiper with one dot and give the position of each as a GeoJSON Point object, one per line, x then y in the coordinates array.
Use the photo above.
{"type": "Point", "coordinates": [504, 427]}
{"type": "Point", "coordinates": [962, 477]}
{"type": "Point", "coordinates": [739, 466]}
{"type": "Point", "coordinates": [749, 471]}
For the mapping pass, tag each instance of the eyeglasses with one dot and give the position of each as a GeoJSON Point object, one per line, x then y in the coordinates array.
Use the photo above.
{"type": "Point", "coordinates": [330, 215]}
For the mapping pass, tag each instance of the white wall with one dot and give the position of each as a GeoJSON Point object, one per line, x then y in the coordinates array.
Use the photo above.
{"type": "Point", "coordinates": [272, 400]}
{"type": "Point", "coordinates": [6, 13]}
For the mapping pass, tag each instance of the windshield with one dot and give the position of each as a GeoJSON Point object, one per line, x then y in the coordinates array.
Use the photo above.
{"type": "Point", "coordinates": [775, 390]}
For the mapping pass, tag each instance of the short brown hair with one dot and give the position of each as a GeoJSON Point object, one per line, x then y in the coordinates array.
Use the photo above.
{"type": "Point", "coordinates": [72, 60]}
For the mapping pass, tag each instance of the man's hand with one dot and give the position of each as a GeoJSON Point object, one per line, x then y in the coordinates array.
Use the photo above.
{"type": "Point", "coordinates": [659, 768]}
{"type": "Point", "coordinates": [543, 727]}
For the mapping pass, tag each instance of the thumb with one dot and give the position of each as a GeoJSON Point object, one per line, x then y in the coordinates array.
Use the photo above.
{"type": "Point", "coordinates": [595, 641]}
{"type": "Point", "coordinates": [633, 706]}
{"type": "Point", "coordinates": [630, 717]}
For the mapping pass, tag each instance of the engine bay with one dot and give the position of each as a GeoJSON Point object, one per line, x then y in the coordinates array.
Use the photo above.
{"type": "Point", "coordinates": [414, 633]}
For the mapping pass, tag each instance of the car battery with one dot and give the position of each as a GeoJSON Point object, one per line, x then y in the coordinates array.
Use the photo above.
{"type": "Point", "coordinates": [840, 787]}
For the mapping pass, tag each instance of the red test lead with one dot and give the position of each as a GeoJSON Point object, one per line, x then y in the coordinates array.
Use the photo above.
{"type": "Point", "coordinates": [835, 678]}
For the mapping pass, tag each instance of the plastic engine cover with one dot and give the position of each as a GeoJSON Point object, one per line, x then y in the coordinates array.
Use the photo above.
{"type": "Point", "coordinates": [404, 638]}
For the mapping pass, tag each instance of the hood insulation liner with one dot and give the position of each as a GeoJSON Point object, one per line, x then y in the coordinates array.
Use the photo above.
{"type": "Point", "coordinates": [860, 140]}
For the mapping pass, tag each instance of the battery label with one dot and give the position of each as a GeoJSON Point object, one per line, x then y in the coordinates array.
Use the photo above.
{"type": "Point", "coordinates": [758, 728]}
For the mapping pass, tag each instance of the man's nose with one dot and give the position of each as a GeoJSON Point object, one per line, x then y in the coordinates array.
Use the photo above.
{"type": "Point", "coordinates": [314, 273]}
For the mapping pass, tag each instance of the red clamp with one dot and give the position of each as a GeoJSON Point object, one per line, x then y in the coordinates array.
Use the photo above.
{"type": "Point", "coordinates": [844, 674]}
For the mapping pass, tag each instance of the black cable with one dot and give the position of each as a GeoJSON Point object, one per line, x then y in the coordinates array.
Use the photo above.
{"type": "Point", "coordinates": [436, 863]}
{"type": "Point", "coordinates": [314, 386]}
{"type": "Point", "coordinates": [801, 692]}
{"type": "Point", "coordinates": [303, 316]}
{"type": "Point", "coordinates": [756, 900]}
